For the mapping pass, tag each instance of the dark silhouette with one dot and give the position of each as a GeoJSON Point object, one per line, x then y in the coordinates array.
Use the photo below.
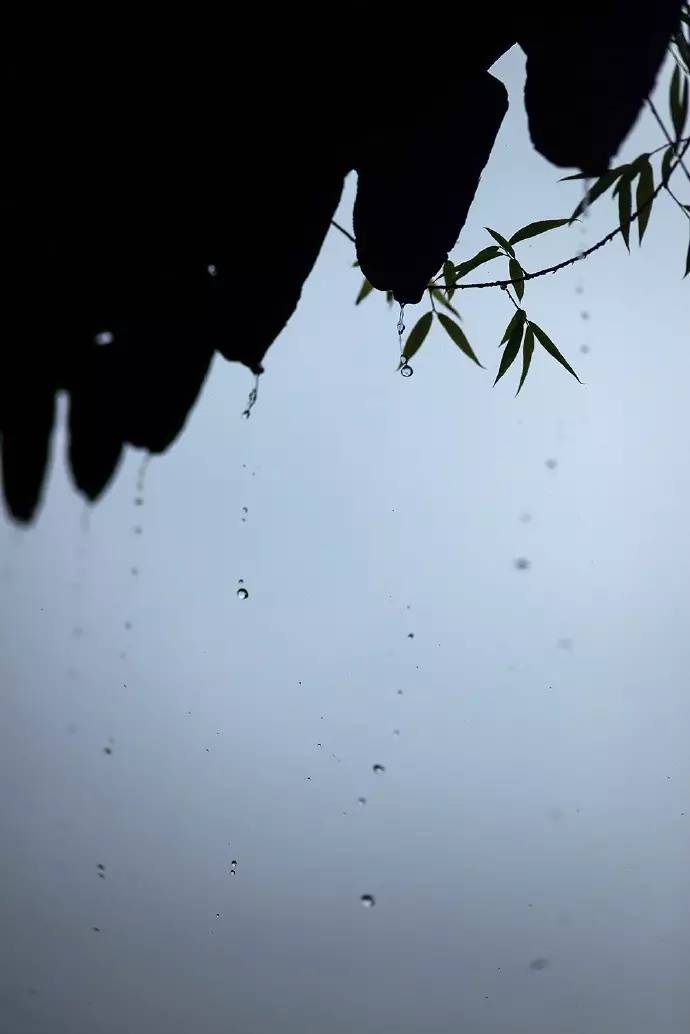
{"type": "Point", "coordinates": [168, 192]}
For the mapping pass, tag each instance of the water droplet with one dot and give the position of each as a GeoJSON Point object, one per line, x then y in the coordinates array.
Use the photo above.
{"type": "Point", "coordinates": [96, 929]}
{"type": "Point", "coordinates": [367, 900]}
{"type": "Point", "coordinates": [100, 867]}
{"type": "Point", "coordinates": [551, 464]}
{"type": "Point", "coordinates": [318, 744]}
{"type": "Point", "coordinates": [211, 270]}
{"type": "Point", "coordinates": [396, 732]}
{"type": "Point", "coordinates": [361, 800]}
{"type": "Point", "coordinates": [565, 644]}
{"type": "Point", "coordinates": [584, 315]}
{"type": "Point", "coordinates": [410, 635]}
{"type": "Point", "coordinates": [400, 692]}
{"type": "Point", "coordinates": [137, 529]}
{"type": "Point", "coordinates": [406, 370]}
{"type": "Point", "coordinates": [107, 750]}
{"type": "Point", "coordinates": [134, 570]}
{"type": "Point", "coordinates": [138, 501]}
{"type": "Point", "coordinates": [217, 915]}
{"type": "Point", "coordinates": [128, 625]}
{"type": "Point", "coordinates": [522, 564]}
{"type": "Point", "coordinates": [242, 593]}
{"type": "Point", "coordinates": [104, 337]}
{"type": "Point", "coordinates": [579, 289]}
{"type": "Point", "coordinates": [379, 769]}
{"type": "Point", "coordinates": [245, 510]}
{"type": "Point", "coordinates": [525, 517]}
{"type": "Point", "coordinates": [233, 862]}
{"type": "Point", "coordinates": [77, 631]}
{"type": "Point", "coordinates": [584, 349]}
{"type": "Point", "coordinates": [308, 779]}
{"type": "Point", "coordinates": [538, 964]}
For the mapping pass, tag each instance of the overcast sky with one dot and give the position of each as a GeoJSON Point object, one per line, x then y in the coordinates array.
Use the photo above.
{"type": "Point", "coordinates": [527, 845]}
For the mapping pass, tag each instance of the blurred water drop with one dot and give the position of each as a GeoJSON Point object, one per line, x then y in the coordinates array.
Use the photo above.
{"type": "Point", "coordinates": [400, 692]}
{"type": "Point", "coordinates": [551, 464]}
{"type": "Point", "coordinates": [522, 564]}
{"type": "Point", "coordinates": [242, 593]}
{"type": "Point", "coordinates": [410, 635]}
{"type": "Point", "coordinates": [584, 349]}
{"type": "Point", "coordinates": [217, 915]}
{"type": "Point", "coordinates": [406, 370]}
{"type": "Point", "coordinates": [378, 769]}
{"type": "Point", "coordinates": [361, 800]}
{"type": "Point", "coordinates": [367, 900]}
{"type": "Point", "coordinates": [107, 750]}
{"type": "Point", "coordinates": [396, 732]}
{"type": "Point", "coordinates": [211, 270]}
{"type": "Point", "coordinates": [104, 337]}
{"type": "Point", "coordinates": [537, 964]}
{"type": "Point", "coordinates": [525, 517]}
{"type": "Point", "coordinates": [138, 501]}
{"type": "Point", "coordinates": [96, 929]}
{"type": "Point", "coordinates": [584, 315]}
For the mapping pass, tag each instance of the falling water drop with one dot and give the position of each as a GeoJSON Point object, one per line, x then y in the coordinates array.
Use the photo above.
{"type": "Point", "coordinates": [522, 564]}
{"type": "Point", "coordinates": [378, 769]}
{"type": "Point", "coordinates": [406, 370]}
{"type": "Point", "coordinates": [211, 270]}
{"type": "Point", "coordinates": [361, 800]}
{"type": "Point", "coordinates": [253, 396]}
{"type": "Point", "coordinates": [551, 464]}
{"type": "Point", "coordinates": [410, 635]}
{"type": "Point", "coordinates": [103, 337]}
{"type": "Point", "coordinates": [242, 593]}
{"type": "Point", "coordinates": [367, 900]}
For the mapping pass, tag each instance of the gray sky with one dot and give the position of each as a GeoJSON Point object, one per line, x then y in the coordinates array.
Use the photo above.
{"type": "Point", "coordinates": [535, 803]}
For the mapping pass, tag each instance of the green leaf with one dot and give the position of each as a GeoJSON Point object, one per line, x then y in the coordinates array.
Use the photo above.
{"type": "Point", "coordinates": [449, 276]}
{"type": "Point", "coordinates": [502, 241]}
{"type": "Point", "coordinates": [518, 318]}
{"type": "Point", "coordinates": [683, 48]}
{"type": "Point", "coordinates": [527, 351]}
{"type": "Point", "coordinates": [624, 209]}
{"type": "Point", "coordinates": [485, 255]}
{"type": "Point", "coordinates": [595, 191]}
{"type": "Point", "coordinates": [415, 339]}
{"type": "Point", "coordinates": [355, 264]}
{"type": "Point", "coordinates": [546, 342]}
{"type": "Point", "coordinates": [666, 162]}
{"type": "Point", "coordinates": [645, 196]}
{"type": "Point", "coordinates": [440, 297]}
{"type": "Point", "coordinates": [364, 290]}
{"type": "Point", "coordinates": [687, 263]}
{"type": "Point", "coordinates": [456, 334]}
{"type": "Point", "coordinates": [678, 101]}
{"type": "Point", "coordinates": [513, 346]}
{"type": "Point", "coordinates": [534, 229]}
{"type": "Point", "coordinates": [515, 272]}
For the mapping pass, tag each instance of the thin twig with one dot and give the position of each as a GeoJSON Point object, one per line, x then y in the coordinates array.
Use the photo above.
{"type": "Point", "coordinates": [343, 230]}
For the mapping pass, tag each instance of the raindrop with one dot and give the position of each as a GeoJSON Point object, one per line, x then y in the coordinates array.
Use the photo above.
{"type": "Point", "coordinates": [406, 370]}
{"type": "Point", "coordinates": [565, 644]}
{"type": "Point", "coordinates": [211, 270]}
{"type": "Point", "coordinates": [233, 862]}
{"type": "Point", "coordinates": [579, 289]}
{"type": "Point", "coordinates": [107, 750]}
{"type": "Point", "coordinates": [538, 964]}
{"type": "Point", "coordinates": [217, 915]}
{"type": "Point", "coordinates": [410, 635]}
{"type": "Point", "coordinates": [242, 593]}
{"type": "Point", "coordinates": [367, 900]}
{"type": "Point", "coordinates": [137, 529]}
{"type": "Point", "coordinates": [522, 564]}
{"type": "Point", "coordinates": [552, 464]}
{"type": "Point", "coordinates": [138, 501]}
{"type": "Point", "coordinates": [379, 769]}
{"type": "Point", "coordinates": [584, 315]}
{"type": "Point", "coordinates": [584, 349]}
{"type": "Point", "coordinates": [396, 732]}
{"type": "Point", "coordinates": [96, 929]}
{"type": "Point", "coordinates": [128, 625]}
{"type": "Point", "coordinates": [400, 692]}
{"type": "Point", "coordinates": [104, 337]}
{"type": "Point", "coordinates": [525, 517]}
{"type": "Point", "coordinates": [101, 868]}
{"type": "Point", "coordinates": [361, 800]}
{"type": "Point", "coordinates": [77, 631]}
{"type": "Point", "coordinates": [308, 779]}
{"type": "Point", "coordinates": [319, 745]}
{"type": "Point", "coordinates": [134, 570]}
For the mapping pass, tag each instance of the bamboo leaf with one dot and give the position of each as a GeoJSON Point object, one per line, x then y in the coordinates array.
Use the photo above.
{"type": "Point", "coordinates": [644, 197]}
{"type": "Point", "coordinates": [534, 229]}
{"type": "Point", "coordinates": [508, 248]}
{"type": "Point", "coordinates": [415, 339]}
{"type": "Point", "coordinates": [456, 334]}
{"type": "Point", "coordinates": [624, 209]}
{"type": "Point", "coordinates": [598, 188]}
{"type": "Point", "coordinates": [678, 101]}
{"type": "Point", "coordinates": [527, 352]}
{"type": "Point", "coordinates": [687, 263]}
{"type": "Point", "coordinates": [449, 276]}
{"type": "Point", "coordinates": [485, 255]}
{"type": "Point", "coordinates": [512, 347]}
{"type": "Point", "coordinates": [515, 272]}
{"type": "Point", "coordinates": [518, 318]}
{"type": "Point", "coordinates": [666, 163]}
{"type": "Point", "coordinates": [364, 290]}
{"type": "Point", "coordinates": [546, 342]}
